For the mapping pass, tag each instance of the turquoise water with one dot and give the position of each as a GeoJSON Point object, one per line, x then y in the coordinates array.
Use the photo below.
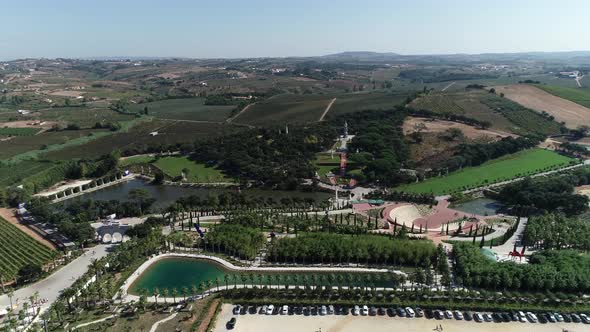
{"type": "Point", "coordinates": [480, 206]}
{"type": "Point", "coordinates": [176, 273]}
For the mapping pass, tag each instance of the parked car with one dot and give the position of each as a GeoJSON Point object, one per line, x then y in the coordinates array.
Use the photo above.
{"type": "Point", "coordinates": [331, 310]}
{"type": "Point", "coordinates": [438, 314]}
{"type": "Point", "coordinates": [307, 311]}
{"type": "Point", "coordinates": [576, 318]}
{"type": "Point", "coordinates": [487, 317]}
{"type": "Point", "coordinates": [285, 310]}
{"type": "Point", "coordinates": [558, 317]}
{"type": "Point", "coordinates": [477, 317]}
{"type": "Point", "coordinates": [531, 317]}
{"type": "Point", "coordinates": [585, 318]}
{"type": "Point", "coordinates": [506, 317]}
{"type": "Point", "coordinates": [567, 318]}
{"type": "Point", "coordinates": [323, 310]}
{"type": "Point", "coordinates": [391, 312]}
{"type": "Point", "coordinates": [401, 312]}
{"type": "Point", "coordinates": [419, 312]}
{"type": "Point", "coordinates": [382, 311]}
{"type": "Point", "coordinates": [270, 309]}
{"type": "Point", "coordinates": [365, 310]}
{"type": "Point", "coordinates": [373, 311]}
{"type": "Point", "coordinates": [356, 310]}
{"type": "Point", "coordinates": [410, 312]}
{"type": "Point", "coordinates": [542, 318]}
{"type": "Point", "coordinates": [264, 309]}
{"type": "Point", "coordinates": [468, 316]}
{"type": "Point", "coordinates": [344, 310]}
{"type": "Point", "coordinates": [458, 315]}
{"type": "Point", "coordinates": [231, 324]}
{"type": "Point", "coordinates": [521, 316]}
{"type": "Point", "coordinates": [448, 314]}
{"type": "Point", "coordinates": [237, 309]}
{"type": "Point", "coordinates": [496, 317]}
{"type": "Point", "coordinates": [551, 317]}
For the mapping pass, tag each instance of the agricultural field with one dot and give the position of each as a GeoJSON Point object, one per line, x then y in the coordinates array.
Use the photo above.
{"type": "Point", "coordinates": [85, 117]}
{"type": "Point", "coordinates": [184, 109]}
{"type": "Point", "coordinates": [285, 108]}
{"type": "Point", "coordinates": [6, 131]}
{"type": "Point", "coordinates": [18, 249]}
{"type": "Point", "coordinates": [14, 173]}
{"type": "Point", "coordinates": [22, 144]}
{"type": "Point", "coordinates": [197, 173]}
{"type": "Point", "coordinates": [567, 105]}
{"type": "Point", "coordinates": [348, 103]}
{"type": "Point", "coordinates": [519, 164]}
{"type": "Point", "coordinates": [138, 136]}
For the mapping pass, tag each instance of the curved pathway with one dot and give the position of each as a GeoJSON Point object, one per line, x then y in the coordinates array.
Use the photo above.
{"type": "Point", "coordinates": [156, 324]}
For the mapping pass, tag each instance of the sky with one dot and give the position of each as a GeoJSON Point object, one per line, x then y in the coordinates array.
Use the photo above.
{"type": "Point", "coordinates": [278, 28]}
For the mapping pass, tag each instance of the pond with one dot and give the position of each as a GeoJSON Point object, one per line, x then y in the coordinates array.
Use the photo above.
{"type": "Point", "coordinates": [167, 194]}
{"type": "Point", "coordinates": [176, 273]}
{"type": "Point", "coordinates": [479, 206]}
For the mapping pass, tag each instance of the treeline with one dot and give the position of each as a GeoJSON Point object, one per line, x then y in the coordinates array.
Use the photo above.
{"type": "Point", "coordinates": [379, 144]}
{"type": "Point", "coordinates": [474, 154]}
{"type": "Point", "coordinates": [551, 270]}
{"type": "Point", "coordinates": [402, 196]}
{"type": "Point", "coordinates": [449, 117]}
{"type": "Point", "coordinates": [556, 231]}
{"type": "Point", "coordinates": [553, 194]}
{"type": "Point", "coordinates": [365, 249]}
{"type": "Point", "coordinates": [243, 201]}
{"type": "Point", "coordinates": [434, 76]}
{"type": "Point", "coordinates": [236, 240]}
{"type": "Point", "coordinates": [270, 157]}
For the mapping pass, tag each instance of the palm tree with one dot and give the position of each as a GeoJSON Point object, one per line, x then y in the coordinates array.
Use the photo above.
{"type": "Point", "coordinates": [217, 283]}
{"type": "Point", "coordinates": [174, 293]}
{"type": "Point", "coordinates": [184, 292]}
{"type": "Point", "coordinates": [68, 293]}
{"type": "Point", "coordinates": [226, 279]}
{"type": "Point", "coordinates": [201, 288]}
{"type": "Point", "coordinates": [194, 290]}
{"type": "Point", "coordinates": [156, 293]}
{"type": "Point", "coordinates": [165, 292]}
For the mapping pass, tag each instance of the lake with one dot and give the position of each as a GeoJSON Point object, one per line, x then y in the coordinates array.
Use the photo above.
{"type": "Point", "coordinates": [479, 206]}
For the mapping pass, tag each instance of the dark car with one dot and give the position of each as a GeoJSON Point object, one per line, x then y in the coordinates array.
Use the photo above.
{"type": "Point", "coordinates": [231, 324]}
{"type": "Point", "coordinates": [505, 317]}
{"type": "Point", "coordinates": [467, 316]}
{"type": "Point", "coordinates": [542, 318]}
{"type": "Point", "coordinates": [372, 311]}
{"type": "Point", "coordinates": [382, 311]}
{"type": "Point", "coordinates": [401, 312]}
{"type": "Point", "coordinates": [576, 318]}
{"type": "Point", "coordinates": [307, 311]}
{"type": "Point", "coordinates": [438, 314]}
{"type": "Point", "coordinates": [428, 313]}
{"type": "Point", "coordinates": [514, 316]}
{"type": "Point", "coordinates": [497, 317]}
{"type": "Point", "coordinates": [419, 312]}
{"type": "Point", "coordinates": [567, 318]}
{"type": "Point", "coordinates": [237, 309]}
{"type": "Point", "coordinates": [391, 312]}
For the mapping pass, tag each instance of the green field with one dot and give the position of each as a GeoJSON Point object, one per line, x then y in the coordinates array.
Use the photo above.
{"type": "Point", "coordinates": [285, 109]}
{"type": "Point", "coordinates": [85, 117]}
{"type": "Point", "coordinates": [577, 95]}
{"type": "Point", "coordinates": [18, 249]}
{"type": "Point", "coordinates": [135, 160]}
{"type": "Point", "coordinates": [185, 109]}
{"type": "Point", "coordinates": [18, 131]}
{"type": "Point", "coordinates": [354, 102]}
{"type": "Point", "coordinates": [519, 164]}
{"type": "Point", "coordinates": [173, 166]}
{"type": "Point", "coordinates": [14, 173]}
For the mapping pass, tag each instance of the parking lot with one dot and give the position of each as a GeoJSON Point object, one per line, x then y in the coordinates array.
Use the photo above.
{"type": "Point", "coordinates": [314, 318]}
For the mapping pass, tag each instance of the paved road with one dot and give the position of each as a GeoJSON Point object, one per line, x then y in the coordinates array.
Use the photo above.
{"type": "Point", "coordinates": [514, 239]}
{"type": "Point", "coordinates": [327, 109]}
{"type": "Point", "coordinates": [51, 287]}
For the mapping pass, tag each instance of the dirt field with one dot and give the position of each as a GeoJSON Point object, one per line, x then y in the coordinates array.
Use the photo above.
{"type": "Point", "coordinates": [439, 126]}
{"type": "Point", "coordinates": [28, 124]}
{"type": "Point", "coordinates": [332, 323]}
{"type": "Point", "coordinates": [67, 93]}
{"type": "Point", "coordinates": [571, 113]}
{"type": "Point", "coordinates": [9, 215]}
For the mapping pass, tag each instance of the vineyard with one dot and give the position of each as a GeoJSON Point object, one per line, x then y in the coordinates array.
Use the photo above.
{"type": "Point", "coordinates": [18, 131]}
{"type": "Point", "coordinates": [18, 249]}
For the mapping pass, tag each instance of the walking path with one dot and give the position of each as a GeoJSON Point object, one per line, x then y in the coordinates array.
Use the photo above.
{"type": "Point", "coordinates": [579, 80]}
{"type": "Point", "coordinates": [95, 321]}
{"type": "Point", "coordinates": [156, 324]}
{"type": "Point", "coordinates": [239, 113]}
{"type": "Point", "coordinates": [448, 86]}
{"type": "Point", "coordinates": [51, 287]}
{"type": "Point", "coordinates": [126, 178]}
{"type": "Point", "coordinates": [514, 240]}
{"type": "Point", "coordinates": [327, 109]}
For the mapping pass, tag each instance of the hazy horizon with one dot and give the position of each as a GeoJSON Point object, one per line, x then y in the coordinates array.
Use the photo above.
{"type": "Point", "coordinates": [264, 28]}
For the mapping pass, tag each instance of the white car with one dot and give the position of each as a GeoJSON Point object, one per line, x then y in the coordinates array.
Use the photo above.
{"type": "Point", "coordinates": [532, 317]}
{"type": "Point", "coordinates": [478, 317]}
{"type": "Point", "coordinates": [323, 310]}
{"type": "Point", "coordinates": [410, 312]}
{"type": "Point", "coordinates": [558, 316]}
{"type": "Point", "coordinates": [488, 317]}
{"type": "Point", "coordinates": [522, 316]}
{"type": "Point", "coordinates": [365, 310]}
{"type": "Point", "coordinates": [448, 314]}
{"type": "Point", "coordinates": [458, 315]}
{"type": "Point", "coordinates": [285, 310]}
{"type": "Point", "coordinates": [356, 311]}
{"type": "Point", "coordinates": [585, 318]}
{"type": "Point", "coordinates": [270, 309]}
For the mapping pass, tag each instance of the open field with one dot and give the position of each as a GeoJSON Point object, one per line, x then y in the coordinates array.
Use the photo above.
{"type": "Point", "coordinates": [18, 249]}
{"type": "Point", "coordinates": [505, 168]}
{"type": "Point", "coordinates": [440, 126]}
{"type": "Point", "coordinates": [577, 95]}
{"type": "Point", "coordinates": [184, 109]}
{"type": "Point", "coordinates": [7, 131]}
{"type": "Point", "coordinates": [82, 116]}
{"type": "Point", "coordinates": [169, 133]}
{"type": "Point", "coordinates": [285, 109]}
{"type": "Point", "coordinates": [565, 104]}
{"type": "Point", "coordinates": [173, 166]}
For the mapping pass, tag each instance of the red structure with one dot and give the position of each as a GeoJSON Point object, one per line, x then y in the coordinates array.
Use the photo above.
{"type": "Point", "coordinates": [343, 164]}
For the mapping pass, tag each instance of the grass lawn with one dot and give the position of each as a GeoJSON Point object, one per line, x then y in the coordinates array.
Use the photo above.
{"type": "Point", "coordinates": [185, 109]}
{"type": "Point", "coordinates": [577, 95]}
{"type": "Point", "coordinates": [173, 166]}
{"type": "Point", "coordinates": [519, 164]}
{"type": "Point", "coordinates": [134, 160]}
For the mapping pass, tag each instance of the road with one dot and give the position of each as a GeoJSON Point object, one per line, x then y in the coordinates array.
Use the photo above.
{"type": "Point", "coordinates": [579, 80]}
{"type": "Point", "coordinates": [51, 287]}
{"type": "Point", "coordinates": [448, 86]}
{"type": "Point", "coordinates": [239, 113]}
{"type": "Point", "coordinates": [327, 109]}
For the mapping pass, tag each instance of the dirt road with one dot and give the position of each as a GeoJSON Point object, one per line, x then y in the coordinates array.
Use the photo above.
{"type": "Point", "coordinates": [327, 109]}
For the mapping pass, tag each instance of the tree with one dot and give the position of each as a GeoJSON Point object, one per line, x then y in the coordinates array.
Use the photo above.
{"type": "Point", "coordinates": [29, 272]}
{"type": "Point", "coordinates": [140, 196]}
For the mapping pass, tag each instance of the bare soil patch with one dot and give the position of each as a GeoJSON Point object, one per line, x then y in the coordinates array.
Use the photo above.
{"type": "Point", "coordinates": [28, 124]}
{"type": "Point", "coordinates": [563, 110]}
{"type": "Point", "coordinates": [10, 216]}
{"type": "Point", "coordinates": [67, 93]}
{"type": "Point", "coordinates": [439, 126]}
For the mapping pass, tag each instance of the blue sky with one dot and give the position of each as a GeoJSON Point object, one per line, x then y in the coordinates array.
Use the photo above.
{"type": "Point", "coordinates": [257, 28]}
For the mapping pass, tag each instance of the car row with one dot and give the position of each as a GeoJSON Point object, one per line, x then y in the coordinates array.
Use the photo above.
{"type": "Point", "coordinates": [408, 312]}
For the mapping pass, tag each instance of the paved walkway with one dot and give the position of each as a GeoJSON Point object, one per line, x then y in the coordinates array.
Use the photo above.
{"type": "Point", "coordinates": [515, 239]}
{"type": "Point", "coordinates": [94, 322]}
{"type": "Point", "coordinates": [51, 287]}
{"type": "Point", "coordinates": [156, 324]}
